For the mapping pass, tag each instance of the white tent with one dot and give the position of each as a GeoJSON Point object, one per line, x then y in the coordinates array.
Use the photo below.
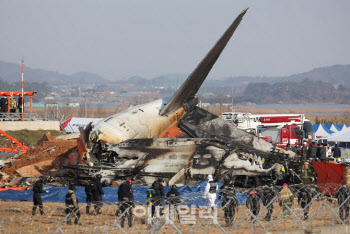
{"type": "Point", "coordinates": [322, 132]}
{"type": "Point", "coordinates": [343, 136]}
{"type": "Point", "coordinates": [342, 128]}
{"type": "Point", "coordinates": [334, 128]}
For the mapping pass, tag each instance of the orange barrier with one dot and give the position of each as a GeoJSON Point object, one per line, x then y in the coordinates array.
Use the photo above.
{"type": "Point", "coordinates": [16, 188]}
{"type": "Point", "coordinates": [20, 146]}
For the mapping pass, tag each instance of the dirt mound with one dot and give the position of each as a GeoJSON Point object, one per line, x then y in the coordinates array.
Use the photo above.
{"type": "Point", "coordinates": [54, 152]}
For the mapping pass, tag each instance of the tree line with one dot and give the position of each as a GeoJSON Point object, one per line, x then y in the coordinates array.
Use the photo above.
{"type": "Point", "coordinates": [307, 91]}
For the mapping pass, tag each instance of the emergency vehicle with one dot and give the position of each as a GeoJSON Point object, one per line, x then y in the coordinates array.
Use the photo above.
{"type": "Point", "coordinates": [279, 129]}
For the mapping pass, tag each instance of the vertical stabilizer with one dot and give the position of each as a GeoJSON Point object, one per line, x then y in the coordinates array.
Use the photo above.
{"type": "Point", "coordinates": [191, 86]}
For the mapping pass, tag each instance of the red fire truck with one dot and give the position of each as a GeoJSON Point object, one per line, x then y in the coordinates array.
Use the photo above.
{"type": "Point", "coordinates": [279, 129]}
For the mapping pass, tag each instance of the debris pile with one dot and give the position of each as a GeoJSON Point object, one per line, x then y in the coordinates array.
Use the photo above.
{"type": "Point", "coordinates": [48, 157]}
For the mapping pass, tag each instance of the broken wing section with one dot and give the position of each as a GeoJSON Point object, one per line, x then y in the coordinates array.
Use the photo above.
{"type": "Point", "coordinates": [191, 86]}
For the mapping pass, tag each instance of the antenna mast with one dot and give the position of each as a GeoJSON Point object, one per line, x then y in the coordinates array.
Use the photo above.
{"type": "Point", "coordinates": [22, 90]}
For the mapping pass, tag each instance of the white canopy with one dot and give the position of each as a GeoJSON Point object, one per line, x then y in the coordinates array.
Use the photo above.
{"type": "Point", "coordinates": [343, 136]}
{"type": "Point", "coordinates": [322, 132]}
{"type": "Point", "coordinates": [342, 128]}
{"type": "Point", "coordinates": [334, 128]}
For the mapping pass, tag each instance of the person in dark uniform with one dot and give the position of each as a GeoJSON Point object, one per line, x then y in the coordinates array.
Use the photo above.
{"type": "Point", "coordinates": [288, 147]}
{"type": "Point", "coordinates": [336, 152]}
{"type": "Point", "coordinates": [312, 150]}
{"type": "Point", "coordinates": [173, 199]}
{"type": "Point", "coordinates": [303, 152]}
{"type": "Point", "coordinates": [38, 189]}
{"type": "Point", "coordinates": [126, 200]}
{"type": "Point", "coordinates": [162, 195]}
{"type": "Point", "coordinates": [253, 202]}
{"type": "Point", "coordinates": [4, 104]}
{"type": "Point", "coordinates": [227, 195]}
{"type": "Point", "coordinates": [342, 194]}
{"type": "Point", "coordinates": [154, 197]}
{"type": "Point", "coordinates": [323, 153]}
{"type": "Point", "coordinates": [304, 198]}
{"type": "Point", "coordinates": [72, 206]}
{"type": "Point", "coordinates": [1, 104]}
{"type": "Point", "coordinates": [97, 193]}
{"type": "Point", "coordinates": [19, 103]}
{"type": "Point", "coordinates": [268, 195]}
{"type": "Point", "coordinates": [89, 196]}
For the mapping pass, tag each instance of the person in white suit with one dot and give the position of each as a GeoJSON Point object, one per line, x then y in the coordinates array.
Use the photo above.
{"type": "Point", "coordinates": [210, 192]}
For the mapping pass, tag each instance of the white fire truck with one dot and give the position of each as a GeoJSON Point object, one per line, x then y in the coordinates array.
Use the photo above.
{"type": "Point", "coordinates": [279, 129]}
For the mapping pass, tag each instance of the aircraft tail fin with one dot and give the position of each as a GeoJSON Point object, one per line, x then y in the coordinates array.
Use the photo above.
{"type": "Point", "coordinates": [191, 86]}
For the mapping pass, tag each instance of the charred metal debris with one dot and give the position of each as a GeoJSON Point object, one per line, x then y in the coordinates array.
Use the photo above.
{"type": "Point", "coordinates": [213, 146]}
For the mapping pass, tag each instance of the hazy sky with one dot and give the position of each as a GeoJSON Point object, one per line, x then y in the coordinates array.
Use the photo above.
{"type": "Point", "coordinates": [122, 38]}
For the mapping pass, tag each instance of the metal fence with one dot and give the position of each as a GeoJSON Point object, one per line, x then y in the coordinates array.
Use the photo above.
{"type": "Point", "coordinates": [191, 216]}
{"type": "Point", "coordinates": [18, 116]}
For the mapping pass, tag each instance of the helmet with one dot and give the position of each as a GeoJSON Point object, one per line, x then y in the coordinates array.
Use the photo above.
{"type": "Point", "coordinates": [130, 181]}
{"type": "Point", "coordinates": [285, 184]}
{"type": "Point", "coordinates": [210, 177]}
{"type": "Point", "coordinates": [160, 180]}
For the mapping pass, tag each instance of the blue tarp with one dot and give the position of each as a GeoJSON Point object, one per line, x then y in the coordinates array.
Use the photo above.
{"type": "Point", "coordinates": [191, 195]}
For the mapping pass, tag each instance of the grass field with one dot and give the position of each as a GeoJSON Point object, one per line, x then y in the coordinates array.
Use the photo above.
{"type": "Point", "coordinates": [29, 138]}
{"type": "Point", "coordinates": [18, 219]}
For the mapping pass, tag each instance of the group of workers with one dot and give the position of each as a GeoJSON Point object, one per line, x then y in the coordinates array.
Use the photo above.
{"type": "Point", "coordinates": [156, 199]}
{"type": "Point", "coordinates": [322, 152]}
{"type": "Point", "coordinates": [14, 104]}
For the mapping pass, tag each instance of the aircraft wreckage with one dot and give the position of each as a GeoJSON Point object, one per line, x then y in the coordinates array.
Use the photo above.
{"type": "Point", "coordinates": [131, 144]}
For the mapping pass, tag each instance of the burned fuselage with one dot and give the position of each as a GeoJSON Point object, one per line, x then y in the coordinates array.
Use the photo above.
{"type": "Point", "coordinates": [179, 160]}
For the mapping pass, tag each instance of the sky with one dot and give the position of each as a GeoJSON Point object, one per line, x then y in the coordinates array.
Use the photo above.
{"type": "Point", "coordinates": [118, 39]}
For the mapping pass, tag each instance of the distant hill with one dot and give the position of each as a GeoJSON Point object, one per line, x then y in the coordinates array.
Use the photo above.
{"type": "Point", "coordinates": [11, 72]}
{"type": "Point", "coordinates": [296, 92]}
{"type": "Point", "coordinates": [336, 74]}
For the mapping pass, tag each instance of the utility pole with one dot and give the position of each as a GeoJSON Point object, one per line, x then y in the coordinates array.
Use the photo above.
{"type": "Point", "coordinates": [232, 110]}
{"type": "Point", "coordinates": [85, 107]}
{"type": "Point", "coordinates": [22, 90]}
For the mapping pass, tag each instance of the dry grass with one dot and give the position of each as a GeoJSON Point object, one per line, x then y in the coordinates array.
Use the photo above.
{"type": "Point", "coordinates": [18, 219]}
